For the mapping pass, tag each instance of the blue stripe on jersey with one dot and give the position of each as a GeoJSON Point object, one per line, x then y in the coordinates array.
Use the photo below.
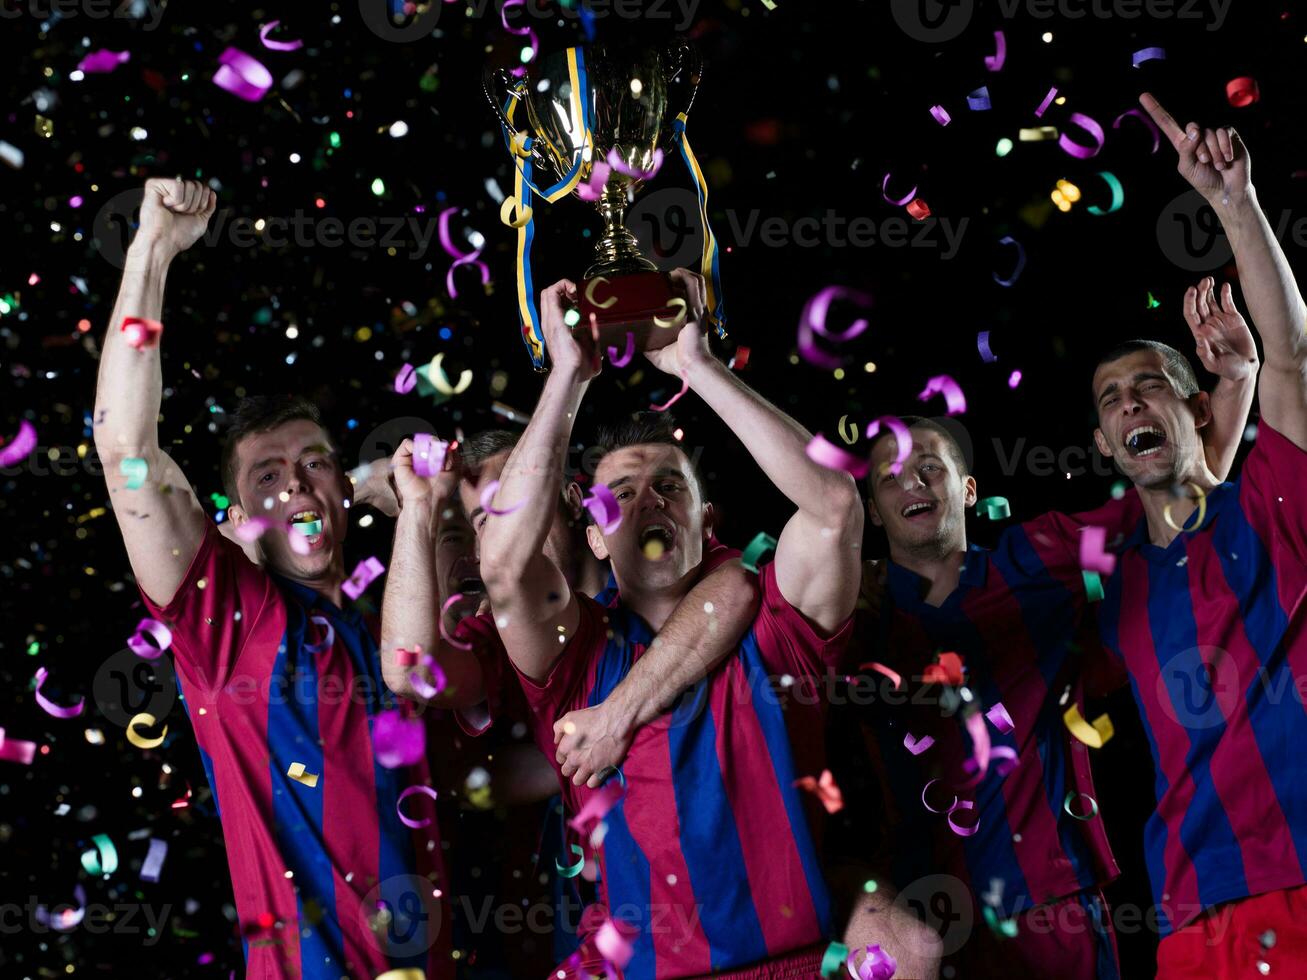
{"type": "Point", "coordinates": [771, 719]}
{"type": "Point", "coordinates": [1205, 829]}
{"type": "Point", "coordinates": [1047, 610]}
{"type": "Point", "coordinates": [293, 736]}
{"type": "Point", "coordinates": [1277, 721]}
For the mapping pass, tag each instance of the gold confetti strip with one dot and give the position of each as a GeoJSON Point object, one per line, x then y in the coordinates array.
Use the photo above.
{"type": "Point", "coordinates": [297, 773]}
{"type": "Point", "coordinates": [145, 720]}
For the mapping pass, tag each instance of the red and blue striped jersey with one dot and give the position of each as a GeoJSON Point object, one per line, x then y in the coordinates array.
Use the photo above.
{"type": "Point", "coordinates": [1211, 631]}
{"type": "Point", "coordinates": [711, 852]}
{"type": "Point", "coordinates": [1017, 619]}
{"type": "Point", "coordinates": [319, 864]}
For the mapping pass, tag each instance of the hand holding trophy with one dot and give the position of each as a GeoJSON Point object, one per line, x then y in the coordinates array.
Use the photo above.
{"type": "Point", "coordinates": [599, 119]}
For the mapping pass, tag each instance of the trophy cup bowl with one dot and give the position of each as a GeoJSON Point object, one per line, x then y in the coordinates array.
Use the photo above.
{"type": "Point", "coordinates": [630, 94]}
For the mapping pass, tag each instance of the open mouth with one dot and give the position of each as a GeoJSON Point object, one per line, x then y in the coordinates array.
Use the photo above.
{"type": "Point", "coordinates": [1145, 440]}
{"type": "Point", "coordinates": [471, 586]}
{"type": "Point", "coordinates": [656, 540]}
{"type": "Point", "coordinates": [918, 509]}
{"type": "Point", "coordinates": [307, 524]}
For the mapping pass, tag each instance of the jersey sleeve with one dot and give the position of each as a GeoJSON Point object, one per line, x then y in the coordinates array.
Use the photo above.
{"type": "Point", "coordinates": [564, 686]}
{"type": "Point", "coordinates": [787, 641]}
{"type": "Point", "coordinates": [1271, 490]}
{"type": "Point", "coordinates": [224, 601]}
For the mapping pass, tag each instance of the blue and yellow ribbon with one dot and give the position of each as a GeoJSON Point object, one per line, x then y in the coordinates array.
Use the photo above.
{"type": "Point", "coordinates": [709, 266]}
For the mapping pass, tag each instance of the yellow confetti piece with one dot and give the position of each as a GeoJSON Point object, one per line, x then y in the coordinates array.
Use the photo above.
{"type": "Point", "coordinates": [1202, 511]}
{"type": "Point", "coordinates": [1094, 736]}
{"type": "Point", "coordinates": [1036, 134]}
{"type": "Point", "coordinates": [407, 974]}
{"type": "Point", "coordinates": [297, 773]}
{"type": "Point", "coordinates": [590, 294]}
{"type": "Point", "coordinates": [145, 720]}
{"type": "Point", "coordinates": [849, 440]}
{"type": "Point", "coordinates": [668, 322]}
{"type": "Point", "coordinates": [441, 381]}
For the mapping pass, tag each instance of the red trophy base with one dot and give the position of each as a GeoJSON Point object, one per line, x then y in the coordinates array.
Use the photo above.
{"type": "Point", "coordinates": [628, 303]}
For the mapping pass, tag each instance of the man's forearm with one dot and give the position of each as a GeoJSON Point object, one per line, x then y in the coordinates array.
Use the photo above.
{"type": "Point", "coordinates": [129, 389]}
{"type": "Point", "coordinates": [1275, 304]}
{"type": "Point", "coordinates": [1231, 403]}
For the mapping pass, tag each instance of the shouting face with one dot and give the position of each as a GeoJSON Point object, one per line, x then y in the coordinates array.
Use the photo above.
{"type": "Point", "coordinates": [923, 507]}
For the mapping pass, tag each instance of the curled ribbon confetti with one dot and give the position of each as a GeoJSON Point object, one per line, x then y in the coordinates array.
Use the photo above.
{"type": "Point", "coordinates": [428, 454]}
{"type": "Point", "coordinates": [953, 397]}
{"type": "Point", "coordinates": [685, 386]}
{"type": "Point", "coordinates": [848, 431]}
{"type": "Point", "coordinates": [1202, 512]}
{"type": "Point", "coordinates": [884, 190]}
{"type": "Point", "coordinates": [603, 506]}
{"type": "Point", "coordinates": [145, 720]}
{"type": "Point", "coordinates": [999, 718]}
{"type": "Point", "coordinates": [813, 321]}
{"type": "Point", "coordinates": [876, 963]}
{"type": "Point", "coordinates": [668, 323]}
{"type": "Point", "coordinates": [1093, 553]}
{"type": "Point", "coordinates": [99, 62]}
{"type": "Point", "coordinates": [761, 544]}
{"type": "Point", "coordinates": [399, 806]}
{"type": "Point", "coordinates": [994, 62]}
{"type": "Point", "coordinates": [995, 508]}
{"type": "Point", "coordinates": [243, 75]}
{"type": "Point", "coordinates": [982, 345]}
{"type": "Point", "coordinates": [571, 870]}
{"type": "Point", "coordinates": [444, 631]}
{"type": "Point", "coordinates": [625, 358]}
{"type": "Point", "coordinates": [1144, 118]}
{"type": "Point", "coordinates": [1118, 194]}
{"type": "Point", "coordinates": [824, 789]}
{"type": "Point", "coordinates": [153, 864]}
{"type": "Point", "coordinates": [271, 45]}
{"type": "Point", "coordinates": [136, 470]}
{"type": "Point", "coordinates": [590, 293]}
{"type": "Point", "coordinates": [1147, 54]}
{"type": "Point", "coordinates": [488, 498]}
{"type": "Point", "coordinates": [1071, 798]}
{"type": "Point", "coordinates": [1091, 127]}
{"type": "Point", "coordinates": [406, 380]}
{"type": "Point", "coordinates": [1096, 735]}
{"type": "Point", "coordinates": [978, 101]}
{"type": "Point", "coordinates": [941, 115]}
{"type": "Point", "coordinates": [1048, 101]}
{"type": "Point", "coordinates": [617, 163]}
{"type": "Point", "coordinates": [880, 668]}
{"type": "Point", "coordinates": [364, 574]}
{"type": "Point", "coordinates": [48, 706]}
{"type": "Point", "coordinates": [20, 446]}
{"type": "Point", "coordinates": [146, 630]}
{"type": "Point", "coordinates": [506, 210]}
{"type": "Point", "coordinates": [917, 745]}
{"type": "Point", "coordinates": [902, 439]}
{"type": "Point", "coordinates": [825, 453]}
{"type": "Point", "coordinates": [1242, 92]}
{"type": "Point", "coordinates": [1021, 261]}
{"type": "Point", "coordinates": [460, 258]}
{"type": "Point", "coordinates": [297, 772]}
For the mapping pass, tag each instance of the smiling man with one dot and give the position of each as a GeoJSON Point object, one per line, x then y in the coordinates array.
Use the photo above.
{"type": "Point", "coordinates": [1206, 610]}
{"type": "Point", "coordinates": [282, 685]}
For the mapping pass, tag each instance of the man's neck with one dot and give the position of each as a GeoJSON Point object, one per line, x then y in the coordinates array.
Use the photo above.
{"type": "Point", "coordinates": [941, 567]}
{"type": "Point", "coordinates": [1156, 500]}
{"type": "Point", "coordinates": [588, 575]}
{"type": "Point", "coordinates": [655, 605]}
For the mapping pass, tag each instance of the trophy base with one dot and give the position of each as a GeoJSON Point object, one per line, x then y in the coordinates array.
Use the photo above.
{"type": "Point", "coordinates": [628, 303]}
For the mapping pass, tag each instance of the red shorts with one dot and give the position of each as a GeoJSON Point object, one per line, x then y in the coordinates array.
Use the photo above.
{"type": "Point", "coordinates": [1230, 939]}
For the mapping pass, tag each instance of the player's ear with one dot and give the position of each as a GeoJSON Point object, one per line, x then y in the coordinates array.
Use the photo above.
{"type": "Point", "coordinates": [596, 542]}
{"type": "Point", "coordinates": [1101, 442]}
{"type": "Point", "coordinates": [709, 520]}
{"type": "Point", "coordinates": [1201, 405]}
{"type": "Point", "coordinates": [969, 491]}
{"type": "Point", "coordinates": [236, 514]}
{"type": "Point", "coordinates": [872, 512]}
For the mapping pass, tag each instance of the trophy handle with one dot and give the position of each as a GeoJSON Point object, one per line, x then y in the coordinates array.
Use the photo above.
{"type": "Point", "coordinates": [492, 80]}
{"type": "Point", "coordinates": [684, 58]}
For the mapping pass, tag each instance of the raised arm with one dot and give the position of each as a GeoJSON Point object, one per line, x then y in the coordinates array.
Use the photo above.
{"type": "Point", "coordinates": [411, 608]}
{"type": "Point", "coordinates": [819, 555]}
{"type": "Point", "coordinates": [702, 630]}
{"type": "Point", "coordinates": [1216, 163]}
{"type": "Point", "coordinates": [1225, 346]}
{"type": "Point", "coordinates": [533, 603]}
{"type": "Point", "coordinates": [162, 522]}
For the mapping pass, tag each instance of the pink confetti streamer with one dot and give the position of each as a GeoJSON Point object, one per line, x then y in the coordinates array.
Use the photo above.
{"type": "Point", "coordinates": [926, 803]}
{"type": "Point", "coordinates": [1094, 556]}
{"type": "Point", "coordinates": [902, 439]}
{"type": "Point", "coordinates": [16, 750]}
{"type": "Point", "coordinates": [824, 788]}
{"type": "Point", "coordinates": [625, 359]}
{"type": "Point", "coordinates": [428, 454]}
{"type": "Point", "coordinates": [877, 964]}
{"type": "Point", "coordinates": [999, 718]}
{"type": "Point", "coordinates": [917, 745]}
{"type": "Point", "coordinates": [593, 189]}
{"type": "Point", "coordinates": [488, 501]}
{"type": "Point", "coordinates": [994, 62]}
{"type": "Point", "coordinates": [103, 61]}
{"type": "Point", "coordinates": [1144, 118]}
{"type": "Point", "coordinates": [607, 512]}
{"type": "Point", "coordinates": [812, 323]}
{"type": "Point", "coordinates": [438, 682]}
{"type": "Point", "coordinates": [596, 807]}
{"type": "Point", "coordinates": [953, 397]}
{"type": "Point", "coordinates": [685, 386]}
{"type": "Point", "coordinates": [64, 919]}
{"type": "Point", "coordinates": [617, 163]}
{"type": "Point", "coordinates": [1048, 101]}
{"type": "Point", "coordinates": [444, 631]}
{"type": "Point", "coordinates": [958, 828]}
{"type": "Point", "coordinates": [519, 71]}
{"type": "Point", "coordinates": [396, 740]}
{"type": "Point", "coordinates": [941, 116]}
{"type": "Point", "coordinates": [243, 75]}
{"type": "Point", "coordinates": [825, 453]}
{"type": "Point", "coordinates": [253, 529]}
{"type": "Point", "coordinates": [880, 668]}
{"type": "Point", "coordinates": [613, 943]}
{"type": "Point", "coordinates": [364, 574]}
{"type": "Point", "coordinates": [329, 640]}
{"type": "Point", "coordinates": [884, 192]}
{"type": "Point", "coordinates": [150, 629]}
{"type": "Point", "coordinates": [460, 258]}
{"type": "Point", "coordinates": [267, 29]}
{"type": "Point", "coordinates": [979, 740]}
{"type": "Point", "coordinates": [20, 446]}
{"type": "Point", "coordinates": [1079, 150]}
{"type": "Point", "coordinates": [48, 706]}
{"type": "Point", "coordinates": [399, 806]}
{"type": "Point", "coordinates": [406, 380]}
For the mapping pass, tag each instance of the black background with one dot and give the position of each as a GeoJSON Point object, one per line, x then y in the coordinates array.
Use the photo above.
{"type": "Point", "coordinates": [803, 109]}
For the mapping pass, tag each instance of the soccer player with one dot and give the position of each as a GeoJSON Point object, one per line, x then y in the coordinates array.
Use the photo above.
{"type": "Point", "coordinates": [281, 683]}
{"type": "Point", "coordinates": [1206, 609]}
{"type": "Point", "coordinates": [710, 854]}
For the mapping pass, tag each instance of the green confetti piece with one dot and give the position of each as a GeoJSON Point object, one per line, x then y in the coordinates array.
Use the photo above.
{"type": "Point", "coordinates": [1093, 586]}
{"type": "Point", "coordinates": [1070, 798]}
{"type": "Point", "coordinates": [1119, 488]}
{"type": "Point", "coordinates": [834, 959]}
{"type": "Point", "coordinates": [136, 470]}
{"type": "Point", "coordinates": [571, 870]}
{"type": "Point", "coordinates": [1118, 194]}
{"type": "Point", "coordinates": [996, 508]}
{"type": "Point", "coordinates": [1000, 927]}
{"type": "Point", "coordinates": [308, 528]}
{"type": "Point", "coordinates": [101, 859]}
{"type": "Point", "coordinates": [761, 544]}
{"type": "Point", "coordinates": [1152, 303]}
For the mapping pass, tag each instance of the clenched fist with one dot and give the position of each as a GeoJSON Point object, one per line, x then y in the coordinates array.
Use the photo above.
{"type": "Point", "coordinates": [174, 214]}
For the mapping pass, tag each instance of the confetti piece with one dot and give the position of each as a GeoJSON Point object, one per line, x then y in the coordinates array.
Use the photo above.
{"type": "Point", "coordinates": [942, 384]}
{"type": "Point", "coordinates": [614, 944]}
{"type": "Point", "coordinates": [364, 574]}
{"type": "Point", "coordinates": [590, 294]}
{"type": "Point", "coordinates": [16, 750]}
{"type": "Point", "coordinates": [428, 454]}
{"type": "Point", "coordinates": [596, 807]}
{"type": "Point", "coordinates": [397, 741]}
{"type": "Point", "coordinates": [980, 742]}
{"type": "Point", "coordinates": [832, 961]}
{"type": "Point", "coordinates": [1079, 150]}
{"type": "Point", "coordinates": [1020, 265]}
{"type": "Point", "coordinates": [917, 745]}
{"type": "Point", "coordinates": [136, 470]}
{"type": "Point", "coordinates": [947, 669]}
{"type": "Point", "coordinates": [1014, 379]}
{"type": "Point", "coordinates": [812, 321]}
{"type": "Point", "coordinates": [617, 163]}
{"type": "Point", "coordinates": [153, 865]}
{"type": "Point", "coordinates": [1093, 586]}
{"type": "Point", "coordinates": [102, 859]}
{"type": "Point", "coordinates": [825, 453]}
{"type": "Point", "coordinates": [1202, 512]}
{"type": "Point", "coordinates": [145, 720]}
{"type": "Point", "coordinates": [739, 360]}
{"type": "Point", "coordinates": [1147, 54]}
{"type": "Point", "coordinates": [1118, 194]}
{"type": "Point", "coordinates": [64, 919]}
{"type": "Point", "coordinates": [880, 668]}
{"type": "Point", "coordinates": [919, 209]}
{"type": "Point", "coordinates": [1144, 118]}
{"type": "Point", "coordinates": [306, 529]}
{"type": "Point", "coordinates": [824, 789]}
{"type": "Point", "coordinates": [941, 115]}
{"type": "Point", "coordinates": [399, 807]}
{"type": "Point", "coordinates": [590, 190]}
{"type": "Point", "coordinates": [271, 45]}
{"type": "Point", "coordinates": [461, 258]}
{"type": "Point", "coordinates": [1093, 553]}
{"type": "Point", "coordinates": [243, 75]}
{"type": "Point", "coordinates": [995, 508]}
{"type": "Point", "coordinates": [488, 505]}
{"type": "Point", "coordinates": [685, 386]}
{"type": "Point", "coordinates": [252, 529]}
{"type": "Point", "coordinates": [20, 446]}
{"type": "Point", "coordinates": [444, 631]}
{"type": "Point", "coordinates": [147, 630]}
{"type": "Point", "coordinates": [104, 61]}
{"type": "Point", "coordinates": [328, 639]}
{"type": "Point", "coordinates": [424, 688]}
{"type": "Point", "coordinates": [1037, 134]}
{"type": "Point", "coordinates": [625, 358]}
{"type": "Point", "coordinates": [994, 62]}
{"type": "Point", "coordinates": [978, 101]}
{"type": "Point", "coordinates": [1048, 101]}
{"type": "Point", "coordinates": [884, 191]}
{"type": "Point", "coordinates": [406, 380]}
{"type": "Point", "coordinates": [1071, 798]}
{"type": "Point", "coordinates": [999, 718]}
{"type": "Point", "coordinates": [957, 828]}
{"type": "Point", "coordinates": [847, 430]}
{"type": "Point", "coordinates": [603, 506]}
{"type": "Point", "coordinates": [297, 773]}
{"type": "Point", "coordinates": [140, 332]}
{"type": "Point", "coordinates": [48, 706]}
{"type": "Point", "coordinates": [513, 206]}
{"type": "Point", "coordinates": [902, 439]}
{"type": "Point", "coordinates": [1242, 91]}
{"type": "Point", "coordinates": [926, 803]}
{"type": "Point", "coordinates": [571, 870]}
{"type": "Point", "coordinates": [1095, 735]}
{"type": "Point", "coordinates": [761, 544]}
{"type": "Point", "coordinates": [435, 374]}
{"type": "Point", "coordinates": [982, 345]}
{"type": "Point", "coordinates": [875, 963]}
{"type": "Point", "coordinates": [1003, 927]}
{"type": "Point", "coordinates": [671, 322]}
{"type": "Point", "coordinates": [404, 973]}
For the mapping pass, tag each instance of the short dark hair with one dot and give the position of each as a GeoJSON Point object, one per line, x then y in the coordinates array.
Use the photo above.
{"type": "Point", "coordinates": [938, 426]}
{"type": "Point", "coordinates": [256, 414]}
{"type": "Point", "coordinates": [480, 446]}
{"type": "Point", "coordinates": [642, 429]}
{"type": "Point", "coordinates": [1176, 365]}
